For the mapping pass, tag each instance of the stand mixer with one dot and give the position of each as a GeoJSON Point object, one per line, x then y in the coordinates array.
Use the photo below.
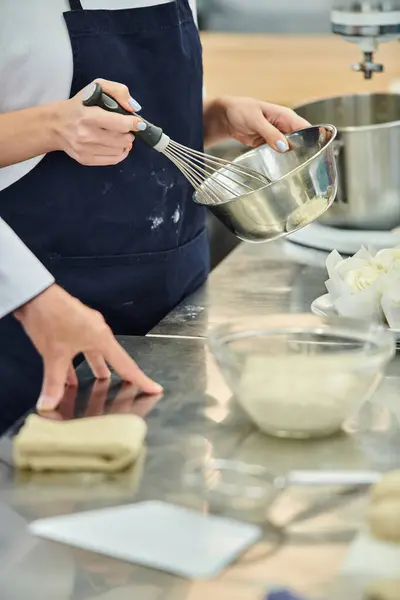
{"type": "Point", "coordinates": [367, 23]}
{"type": "Point", "coordinates": [366, 211]}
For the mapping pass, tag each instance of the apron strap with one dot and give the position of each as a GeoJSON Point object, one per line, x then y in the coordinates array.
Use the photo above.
{"type": "Point", "coordinates": [75, 4]}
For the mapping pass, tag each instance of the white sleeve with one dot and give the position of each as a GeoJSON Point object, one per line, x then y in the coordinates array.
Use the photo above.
{"type": "Point", "coordinates": [193, 6]}
{"type": "Point", "coordinates": [22, 276]}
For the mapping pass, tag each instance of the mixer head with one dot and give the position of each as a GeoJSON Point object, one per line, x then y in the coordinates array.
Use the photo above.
{"type": "Point", "coordinates": [366, 23]}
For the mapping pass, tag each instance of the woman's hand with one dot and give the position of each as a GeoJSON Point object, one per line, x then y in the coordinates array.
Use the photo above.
{"type": "Point", "coordinates": [61, 327]}
{"type": "Point", "coordinates": [251, 122]}
{"type": "Point", "coordinates": [93, 136]}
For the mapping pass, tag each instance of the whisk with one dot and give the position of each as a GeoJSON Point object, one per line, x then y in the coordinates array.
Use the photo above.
{"type": "Point", "coordinates": [215, 180]}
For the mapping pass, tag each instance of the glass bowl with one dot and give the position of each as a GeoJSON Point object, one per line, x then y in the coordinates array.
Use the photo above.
{"type": "Point", "coordinates": [233, 488]}
{"type": "Point", "coordinates": [302, 376]}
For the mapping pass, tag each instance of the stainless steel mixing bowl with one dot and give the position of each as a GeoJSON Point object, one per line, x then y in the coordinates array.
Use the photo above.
{"type": "Point", "coordinates": [303, 184]}
{"type": "Point", "coordinates": [367, 151]}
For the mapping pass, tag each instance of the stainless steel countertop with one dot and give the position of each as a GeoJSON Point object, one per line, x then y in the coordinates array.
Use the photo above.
{"type": "Point", "coordinates": [254, 279]}
{"type": "Point", "coordinates": [198, 405]}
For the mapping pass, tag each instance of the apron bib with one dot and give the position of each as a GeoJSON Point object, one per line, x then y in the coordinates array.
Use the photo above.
{"type": "Point", "coordinates": [127, 239]}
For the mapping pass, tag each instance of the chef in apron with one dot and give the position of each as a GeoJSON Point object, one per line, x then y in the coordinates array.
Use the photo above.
{"type": "Point", "coordinates": [125, 238]}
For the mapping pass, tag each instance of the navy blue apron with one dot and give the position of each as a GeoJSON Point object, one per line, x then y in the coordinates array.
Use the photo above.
{"type": "Point", "coordinates": [127, 240]}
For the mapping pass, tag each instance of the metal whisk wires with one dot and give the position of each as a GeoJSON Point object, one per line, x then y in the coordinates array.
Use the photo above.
{"type": "Point", "coordinates": [216, 180]}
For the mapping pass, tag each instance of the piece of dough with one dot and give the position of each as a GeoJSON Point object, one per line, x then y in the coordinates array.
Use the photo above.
{"type": "Point", "coordinates": [384, 520]}
{"type": "Point", "coordinates": [383, 589]}
{"type": "Point", "coordinates": [107, 443]}
{"type": "Point", "coordinates": [388, 488]}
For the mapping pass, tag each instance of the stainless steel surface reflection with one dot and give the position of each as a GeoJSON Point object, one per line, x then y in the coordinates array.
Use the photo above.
{"type": "Point", "coordinates": [196, 405]}
{"type": "Point", "coordinates": [235, 489]}
{"type": "Point", "coordinates": [367, 150]}
{"type": "Point", "coordinates": [313, 525]}
{"type": "Point", "coordinates": [255, 280]}
{"type": "Point", "coordinates": [303, 185]}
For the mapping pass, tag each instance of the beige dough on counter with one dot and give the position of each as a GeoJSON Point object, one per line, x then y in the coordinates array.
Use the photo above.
{"type": "Point", "coordinates": [384, 589]}
{"type": "Point", "coordinates": [383, 515]}
{"type": "Point", "coordinates": [108, 443]}
{"type": "Point", "coordinates": [388, 488]}
{"type": "Point", "coordinates": [384, 520]}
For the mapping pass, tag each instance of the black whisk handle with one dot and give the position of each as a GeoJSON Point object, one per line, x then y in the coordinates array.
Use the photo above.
{"type": "Point", "coordinates": [94, 96]}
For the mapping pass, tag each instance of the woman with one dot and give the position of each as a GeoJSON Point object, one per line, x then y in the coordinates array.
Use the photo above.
{"type": "Point", "coordinates": [115, 225]}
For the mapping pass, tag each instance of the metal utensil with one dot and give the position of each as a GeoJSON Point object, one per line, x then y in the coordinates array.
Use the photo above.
{"type": "Point", "coordinates": [260, 196]}
{"type": "Point", "coordinates": [367, 152]}
{"type": "Point", "coordinates": [251, 488]}
{"type": "Point", "coordinates": [312, 478]}
{"type": "Point", "coordinates": [303, 185]}
{"type": "Point", "coordinates": [199, 168]}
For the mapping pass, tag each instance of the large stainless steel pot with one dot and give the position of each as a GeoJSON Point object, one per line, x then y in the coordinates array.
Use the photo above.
{"type": "Point", "coordinates": [367, 151]}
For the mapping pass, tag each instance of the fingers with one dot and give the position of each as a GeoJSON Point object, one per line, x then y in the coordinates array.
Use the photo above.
{"type": "Point", "coordinates": [56, 369]}
{"type": "Point", "coordinates": [271, 134]}
{"type": "Point", "coordinates": [97, 137]}
{"type": "Point", "coordinates": [72, 378]}
{"type": "Point", "coordinates": [114, 121]}
{"type": "Point", "coordinates": [101, 160]}
{"type": "Point", "coordinates": [98, 365]}
{"type": "Point", "coordinates": [112, 140]}
{"type": "Point", "coordinates": [108, 149]}
{"type": "Point", "coordinates": [122, 363]}
{"type": "Point", "coordinates": [284, 120]}
{"type": "Point", "coordinates": [120, 92]}
{"type": "Point", "coordinates": [290, 121]}
{"type": "Point", "coordinates": [98, 397]}
{"type": "Point", "coordinates": [85, 331]}
{"type": "Point", "coordinates": [66, 408]}
{"type": "Point", "coordinates": [95, 149]}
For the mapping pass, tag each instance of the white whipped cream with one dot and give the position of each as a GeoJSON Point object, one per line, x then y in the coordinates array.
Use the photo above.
{"type": "Point", "coordinates": [361, 279]}
{"type": "Point", "coordinates": [388, 259]}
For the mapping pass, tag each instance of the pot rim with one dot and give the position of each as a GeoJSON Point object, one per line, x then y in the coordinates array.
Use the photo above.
{"type": "Point", "coordinates": [356, 128]}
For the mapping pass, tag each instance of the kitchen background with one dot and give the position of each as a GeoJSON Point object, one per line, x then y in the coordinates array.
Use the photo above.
{"type": "Point", "coordinates": [285, 53]}
{"type": "Point", "coordinates": [265, 16]}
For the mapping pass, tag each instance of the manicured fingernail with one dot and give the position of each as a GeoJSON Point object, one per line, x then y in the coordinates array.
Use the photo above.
{"type": "Point", "coordinates": [141, 126]}
{"type": "Point", "coordinates": [135, 105]}
{"type": "Point", "coordinates": [158, 389]}
{"type": "Point", "coordinates": [282, 146]}
{"type": "Point", "coordinates": [45, 403]}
